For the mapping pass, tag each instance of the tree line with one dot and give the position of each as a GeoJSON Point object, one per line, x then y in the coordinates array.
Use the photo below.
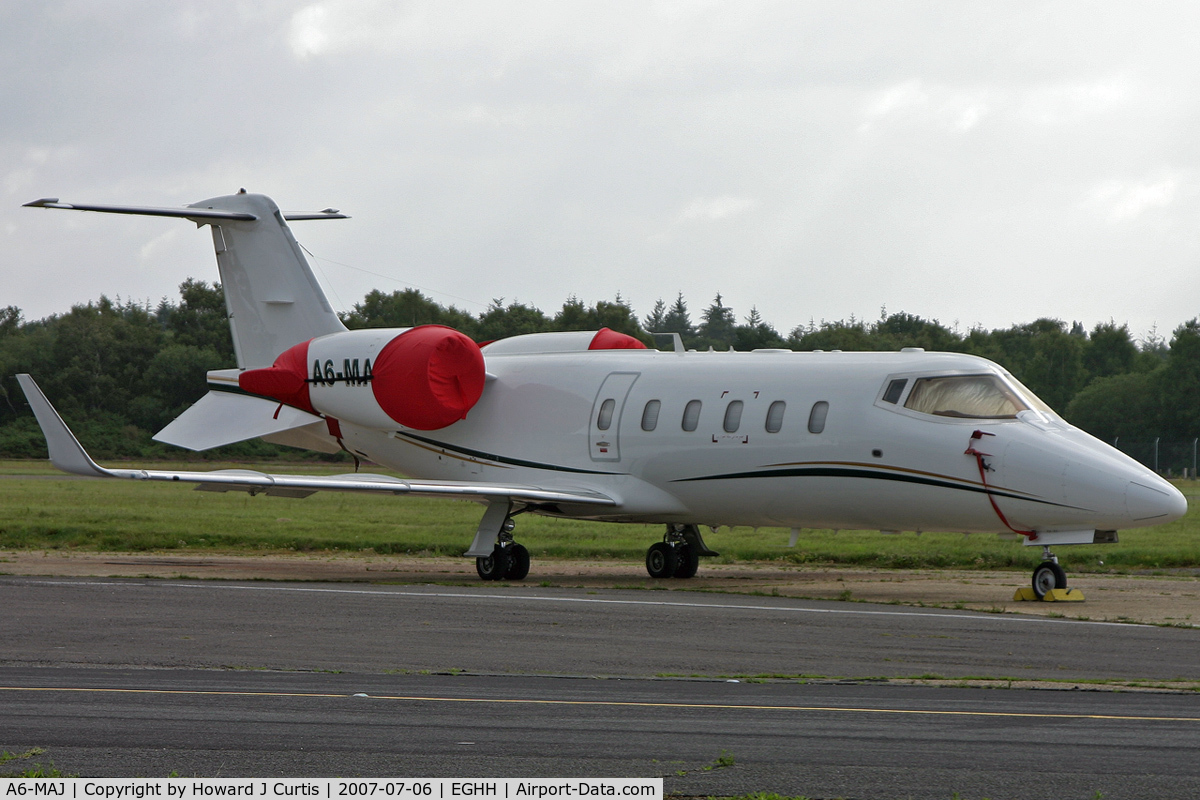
{"type": "Point", "coordinates": [121, 370]}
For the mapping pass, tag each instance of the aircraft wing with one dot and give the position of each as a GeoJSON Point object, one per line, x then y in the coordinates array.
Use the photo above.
{"type": "Point", "coordinates": [68, 454]}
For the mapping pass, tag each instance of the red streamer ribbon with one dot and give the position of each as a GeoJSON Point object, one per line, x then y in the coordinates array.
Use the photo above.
{"type": "Point", "coordinates": [979, 455]}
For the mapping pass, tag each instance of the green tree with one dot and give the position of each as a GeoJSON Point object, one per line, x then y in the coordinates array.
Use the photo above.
{"type": "Point", "coordinates": [908, 330]}
{"type": "Point", "coordinates": [101, 351]}
{"type": "Point", "coordinates": [200, 320]}
{"type": "Point", "coordinates": [501, 321]}
{"type": "Point", "coordinates": [678, 320]}
{"type": "Point", "coordinates": [575, 316]}
{"type": "Point", "coordinates": [657, 317]}
{"type": "Point", "coordinates": [615, 315]}
{"type": "Point", "coordinates": [1181, 383]}
{"type": "Point", "coordinates": [407, 309]}
{"type": "Point", "coordinates": [173, 380]}
{"type": "Point", "coordinates": [840, 335]}
{"type": "Point", "coordinates": [717, 326]}
{"type": "Point", "coordinates": [10, 320]}
{"type": "Point", "coordinates": [1110, 350]}
{"type": "Point", "coordinates": [1126, 405]}
{"type": "Point", "coordinates": [756, 333]}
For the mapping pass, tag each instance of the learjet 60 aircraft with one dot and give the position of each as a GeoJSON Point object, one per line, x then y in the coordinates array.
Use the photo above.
{"type": "Point", "coordinates": [593, 425]}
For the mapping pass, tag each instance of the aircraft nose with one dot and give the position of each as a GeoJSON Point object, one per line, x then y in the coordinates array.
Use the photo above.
{"type": "Point", "coordinates": [1154, 505]}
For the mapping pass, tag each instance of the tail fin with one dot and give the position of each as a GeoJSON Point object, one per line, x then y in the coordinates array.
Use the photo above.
{"type": "Point", "coordinates": [271, 294]}
{"type": "Point", "coordinates": [273, 299]}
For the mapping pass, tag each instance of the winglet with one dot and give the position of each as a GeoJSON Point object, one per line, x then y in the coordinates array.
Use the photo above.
{"type": "Point", "coordinates": [66, 452]}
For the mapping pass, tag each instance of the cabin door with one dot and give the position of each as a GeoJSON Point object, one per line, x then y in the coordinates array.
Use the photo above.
{"type": "Point", "coordinates": [605, 424]}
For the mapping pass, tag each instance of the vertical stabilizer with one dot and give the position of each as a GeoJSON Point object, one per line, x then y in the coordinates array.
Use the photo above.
{"type": "Point", "coordinates": [273, 298]}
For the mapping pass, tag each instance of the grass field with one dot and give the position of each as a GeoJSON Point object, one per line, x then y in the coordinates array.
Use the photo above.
{"type": "Point", "coordinates": [41, 509]}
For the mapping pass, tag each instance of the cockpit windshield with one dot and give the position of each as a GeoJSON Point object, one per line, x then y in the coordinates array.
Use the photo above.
{"type": "Point", "coordinates": [965, 396]}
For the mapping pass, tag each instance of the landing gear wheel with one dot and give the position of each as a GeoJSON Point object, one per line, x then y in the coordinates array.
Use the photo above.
{"type": "Point", "coordinates": [495, 567]}
{"type": "Point", "coordinates": [518, 563]}
{"type": "Point", "coordinates": [688, 561]}
{"type": "Point", "coordinates": [1046, 576]}
{"type": "Point", "coordinates": [661, 560]}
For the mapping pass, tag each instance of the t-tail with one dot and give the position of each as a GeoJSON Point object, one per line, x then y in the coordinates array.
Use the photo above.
{"type": "Point", "coordinates": [271, 295]}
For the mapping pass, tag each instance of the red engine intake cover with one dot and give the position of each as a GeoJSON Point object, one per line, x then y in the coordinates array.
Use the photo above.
{"type": "Point", "coordinates": [428, 377]}
{"type": "Point", "coordinates": [608, 339]}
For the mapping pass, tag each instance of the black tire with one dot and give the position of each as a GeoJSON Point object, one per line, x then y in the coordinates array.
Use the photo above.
{"type": "Point", "coordinates": [493, 567]}
{"type": "Point", "coordinates": [661, 560]}
{"type": "Point", "coordinates": [688, 561]}
{"type": "Point", "coordinates": [518, 563]}
{"type": "Point", "coordinates": [1046, 576]}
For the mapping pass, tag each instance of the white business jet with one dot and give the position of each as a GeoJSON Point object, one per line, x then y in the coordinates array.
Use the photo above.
{"type": "Point", "coordinates": [592, 425]}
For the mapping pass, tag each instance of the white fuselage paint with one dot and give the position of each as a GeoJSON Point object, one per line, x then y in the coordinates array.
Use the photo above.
{"type": "Point", "coordinates": [873, 465]}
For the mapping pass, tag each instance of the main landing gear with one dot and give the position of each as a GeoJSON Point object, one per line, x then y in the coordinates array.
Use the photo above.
{"type": "Point", "coordinates": [508, 560]}
{"type": "Point", "coordinates": [678, 554]}
{"type": "Point", "coordinates": [1048, 575]}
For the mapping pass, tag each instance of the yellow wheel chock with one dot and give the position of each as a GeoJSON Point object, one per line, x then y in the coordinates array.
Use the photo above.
{"type": "Point", "coordinates": [1052, 596]}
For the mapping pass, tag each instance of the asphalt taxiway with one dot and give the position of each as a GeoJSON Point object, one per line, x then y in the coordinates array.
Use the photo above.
{"type": "Point", "coordinates": [145, 677]}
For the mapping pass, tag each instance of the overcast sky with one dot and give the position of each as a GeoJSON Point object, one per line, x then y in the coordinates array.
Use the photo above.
{"type": "Point", "coordinates": [971, 162]}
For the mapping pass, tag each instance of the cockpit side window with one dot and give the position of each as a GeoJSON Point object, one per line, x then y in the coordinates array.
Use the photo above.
{"type": "Point", "coordinates": [894, 390]}
{"type": "Point", "coordinates": [965, 396]}
{"type": "Point", "coordinates": [1029, 397]}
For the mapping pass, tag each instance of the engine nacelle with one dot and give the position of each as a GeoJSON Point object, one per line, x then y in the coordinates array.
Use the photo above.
{"type": "Point", "coordinates": [425, 378]}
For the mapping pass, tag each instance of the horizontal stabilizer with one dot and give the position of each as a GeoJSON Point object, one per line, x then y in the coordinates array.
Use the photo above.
{"type": "Point", "coordinates": [221, 418]}
{"type": "Point", "coordinates": [185, 213]}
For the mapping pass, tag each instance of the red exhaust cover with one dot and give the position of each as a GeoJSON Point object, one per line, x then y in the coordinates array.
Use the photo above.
{"type": "Point", "coordinates": [428, 377]}
{"type": "Point", "coordinates": [286, 380]}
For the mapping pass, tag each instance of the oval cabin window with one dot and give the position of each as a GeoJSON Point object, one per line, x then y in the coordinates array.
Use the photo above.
{"type": "Point", "coordinates": [816, 418]}
{"type": "Point", "coordinates": [775, 416]}
{"type": "Point", "coordinates": [733, 416]}
{"type": "Point", "coordinates": [650, 415]}
{"type": "Point", "coordinates": [604, 418]}
{"type": "Point", "coordinates": [691, 415]}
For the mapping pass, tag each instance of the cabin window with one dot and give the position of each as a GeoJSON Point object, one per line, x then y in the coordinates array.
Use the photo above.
{"type": "Point", "coordinates": [691, 415]}
{"type": "Point", "coordinates": [733, 416]}
{"type": "Point", "coordinates": [650, 415]}
{"type": "Point", "coordinates": [816, 417]}
{"type": "Point", "coordinates": [965, 396]}
{"type": "Point", "coordinates": [604, 418]}
{"type": "Point", "coordinates": [894, 390]}
{"type": "Point", "coordinates": [775, 416]}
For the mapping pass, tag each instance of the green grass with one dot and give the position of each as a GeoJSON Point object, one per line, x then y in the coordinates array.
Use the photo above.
{"type": "Point", "coordinates": [34, 771]}
{"type": "Point", "coordinates": [39, 511]}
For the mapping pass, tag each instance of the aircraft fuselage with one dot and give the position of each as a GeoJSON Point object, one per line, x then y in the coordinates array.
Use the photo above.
{"type": "Point", "coordinates": [775, 439]}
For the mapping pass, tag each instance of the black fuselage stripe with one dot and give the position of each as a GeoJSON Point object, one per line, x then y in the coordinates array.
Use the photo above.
{"type": "Point", "coordinates": [516, 462]}
{"type": "Point", "coordinates": [225, 387]}
{"type": "Point", "coordinates": [844, 472]}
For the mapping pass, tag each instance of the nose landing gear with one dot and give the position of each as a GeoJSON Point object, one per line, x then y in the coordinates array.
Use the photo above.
{"type": "Point", "coordinates": [1048, 575]}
